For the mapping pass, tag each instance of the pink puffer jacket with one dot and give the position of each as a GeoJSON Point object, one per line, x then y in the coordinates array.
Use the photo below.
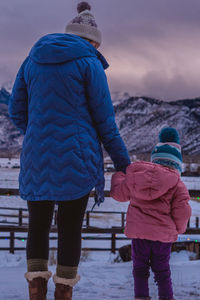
{"type": "Point", "coordinates": [159, 208]}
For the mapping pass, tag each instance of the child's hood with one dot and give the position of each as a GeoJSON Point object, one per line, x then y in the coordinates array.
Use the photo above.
{"type": "Point", "coordinates": [149, 181]}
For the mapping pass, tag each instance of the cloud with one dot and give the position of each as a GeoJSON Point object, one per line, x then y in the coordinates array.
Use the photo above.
{"type": "Point", "coordinates": [152, 46]}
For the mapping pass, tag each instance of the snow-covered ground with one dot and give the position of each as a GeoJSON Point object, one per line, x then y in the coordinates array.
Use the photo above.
{"type": "Point", "coordinates": [101, 278]}
{"type": "Point", "coordinates": [9, 176]}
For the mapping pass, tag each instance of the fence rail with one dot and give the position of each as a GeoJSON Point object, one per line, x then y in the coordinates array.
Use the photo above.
{"type": "Point", "coordinates": [113, 235]}
{"type": "Point", "coordinates": [22, 213]}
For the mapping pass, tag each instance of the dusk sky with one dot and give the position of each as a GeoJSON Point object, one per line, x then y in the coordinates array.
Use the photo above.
{"type": "Point", "coordinates": [152, 46]}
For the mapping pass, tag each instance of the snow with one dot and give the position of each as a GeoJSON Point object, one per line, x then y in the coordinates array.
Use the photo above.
{"type": "Point", "coordinates": [7, 86]}
{"type": "Point", "coordinates": [191, 182]}
{"type": "Point", "coordinates": [101, 278]}
{"type": "Point", "coordinates": [195, 208]}
{"type": "Point", "coordinates": [9, 163]}
{"type": "Point", "coordinates": [9, 171]}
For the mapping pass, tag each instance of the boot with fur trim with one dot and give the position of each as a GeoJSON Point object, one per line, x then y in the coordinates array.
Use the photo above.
{"type": "Point", "coordinates": [37, 284]}
{"type": "Point", "coordinates": [64, 287]}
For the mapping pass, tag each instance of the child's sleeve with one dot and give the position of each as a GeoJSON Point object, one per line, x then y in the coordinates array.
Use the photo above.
{"type": "Point", "coordinates": [119, 189]}
{"type": "Point", "coordinates": [181, 210]}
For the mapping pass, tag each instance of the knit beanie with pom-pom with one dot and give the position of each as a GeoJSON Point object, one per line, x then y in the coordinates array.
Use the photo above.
{"type": "Point", "coordinates": [168, 151]}
{"type": "Point", "coordinates": [84, 24]}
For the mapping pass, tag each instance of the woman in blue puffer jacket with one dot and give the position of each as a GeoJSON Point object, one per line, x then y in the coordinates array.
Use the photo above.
{"type": "Point", "coordinates": [61, 103]}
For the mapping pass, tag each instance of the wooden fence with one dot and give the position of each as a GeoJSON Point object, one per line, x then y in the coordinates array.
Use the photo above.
{"type": "Point", "coordinates": [20, 217]}
{"type": "Point", "coordinates": [16, 220]}
{"type": "Point", "coordinates": [113, 235]}
{"type": "Point", "coordinates": [109, 234]}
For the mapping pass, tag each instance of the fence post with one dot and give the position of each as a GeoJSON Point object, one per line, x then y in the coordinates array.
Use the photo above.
{"type": "Point", "coordinates": [198, 254]}
{"type": "Point", "coordinates": [87, 219]}
{"type": "Point", "coordinates": [122, 219]}
{"type": "Point", "coordinates": [113, 243]}
{"type": "Point", "coordinates": [197, 222]}
{"type": "Point", "coordinates": [188, 224]}
{"type": "Point", "coordinates": [20, 217]}
{"type": "Point", "coordinates": [55, 217]}
{"type": "Point", "coordinates": [12, 242]}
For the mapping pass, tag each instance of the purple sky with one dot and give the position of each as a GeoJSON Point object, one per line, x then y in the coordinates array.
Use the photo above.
{"type": "Point", "coordinates": [152, 46]}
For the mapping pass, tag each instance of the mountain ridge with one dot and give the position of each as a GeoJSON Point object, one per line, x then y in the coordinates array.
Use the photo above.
{"type": "Point", "coordinates": [139, 120]}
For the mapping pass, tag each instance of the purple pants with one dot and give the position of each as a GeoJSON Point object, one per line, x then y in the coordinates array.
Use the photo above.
{"type": "Point", "coordinates": [155, 255]}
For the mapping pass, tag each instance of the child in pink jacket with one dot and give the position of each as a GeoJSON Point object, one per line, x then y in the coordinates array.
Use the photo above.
{"type": "Point", "coordinates": [157, 213]}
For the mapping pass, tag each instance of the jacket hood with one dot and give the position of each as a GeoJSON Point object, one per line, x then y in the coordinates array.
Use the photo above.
{"type": "Point", "coordinates": [61, 47]}
{"type": "Point", "coordinates": [150, 181]}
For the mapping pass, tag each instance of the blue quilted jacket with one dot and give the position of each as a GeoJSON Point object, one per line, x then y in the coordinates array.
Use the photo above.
{"type": "Point", "coordinates": [61, 103]}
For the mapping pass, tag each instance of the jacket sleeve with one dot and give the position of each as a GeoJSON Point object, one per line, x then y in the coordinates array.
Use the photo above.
{"type": "Point", "coordinates": [119, 188]}
{"type": "Point", "coordinates": [103, 115]}
{"type": "Point", "coordinates": [181, 210]}
{"type": "Point", "coordinates": [18, 102]}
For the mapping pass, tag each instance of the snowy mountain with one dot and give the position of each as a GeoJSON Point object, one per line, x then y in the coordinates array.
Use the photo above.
{"type": "Point", "coordinates": [139, 120]}
{"type": "Point", "coordinates": [4, 96]}
{"type": "Point", "coordinates": [10, 138]}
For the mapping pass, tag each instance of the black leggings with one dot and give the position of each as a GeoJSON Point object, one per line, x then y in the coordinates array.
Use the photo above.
{"type": "Point", "coordinates": [69, 220]}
